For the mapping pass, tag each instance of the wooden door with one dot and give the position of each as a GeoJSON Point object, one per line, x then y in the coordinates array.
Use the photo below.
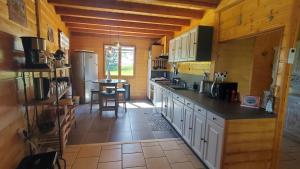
{"type": "Point", "coordinates": [198, 134]}
{"type": "Point", "coordinates": [213, 145]}
{"type": "Point", "coordinates": [177, 115]}
{"type": "Point", "coordinates": [187, 124]}
{"type": "Point", "coordinates": [193, 40]}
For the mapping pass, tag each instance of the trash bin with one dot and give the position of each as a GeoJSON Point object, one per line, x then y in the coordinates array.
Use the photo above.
{"type": "Point", "coordinates": [126, 86]}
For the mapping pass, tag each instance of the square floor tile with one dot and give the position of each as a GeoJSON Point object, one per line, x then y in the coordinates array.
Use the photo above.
{"type": "Point", "coordinates": [153, 151]}
{"type": "Point", "coordinates": [158, 163]}
{"type": "Point", "coordinates": [131, 148]}
{"type": "Point", "coordinates": [110, 155]}
{"type": "Point", "coordinates": [133, 160]}
{"type": "Point", "coordinates": [71, 149]}
{"type": "Point", "coordinates": [89, 151]}
{"type": "Point", "coordinates": [86, 163]}
{"type": "Point", "coordinates": [185, 149]}
{"type": "Point", "coordinates": [112, 146]}
{"type": "Point", "coordinates": [176, 156]}
{"type": "Point", "coordinates": [148, 144]}
{"type": "Point", "coordinates": [110, 165]}
{"type": "Point", "coordinates": [195, 161]}
{"type": "Point", "coordinates": [185, 165]}
{"type": "Point", "coordinates": [169, 145]}
{"type": "Point", "coordinates": [70, 158]}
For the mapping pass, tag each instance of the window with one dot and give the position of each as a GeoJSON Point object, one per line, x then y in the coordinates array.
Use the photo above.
{"type": "Point", "coordinates": [119, 60]}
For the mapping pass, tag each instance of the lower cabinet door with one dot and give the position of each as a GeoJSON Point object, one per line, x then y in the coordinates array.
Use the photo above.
{"type": "Point", "coordinates": [170, 109]}
{"type": "Point", "coordinates": [187, 124]}
{"type": "Point", "coordinates": [177, 115]}
{"type": "Point", "coordinates": [213, 145]}
{"type": "Point", "coordinates": [199, 122]}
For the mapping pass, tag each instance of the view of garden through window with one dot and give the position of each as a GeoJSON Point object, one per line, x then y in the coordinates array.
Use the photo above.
{"type": "Point", "coordinates": [120, 60]}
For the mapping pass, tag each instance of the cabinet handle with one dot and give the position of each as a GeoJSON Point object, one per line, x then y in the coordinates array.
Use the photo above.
{"type": "Point", "coordinates": [205, 141]}
{"type": "Point", "coordinates": [177, 97]}
{"type": "Point", "coordinates": [199, 109]}
{"type": "Point", "coordinates": [214, 118]}
{"type": "Point", "coordinates": [188, 103]}
{"type": "Point", "coordinates": [181, 120]}
{"type": "Point", "coordinates": [202, 139]}
{"type": "Point", "coordinates": [190, 128]}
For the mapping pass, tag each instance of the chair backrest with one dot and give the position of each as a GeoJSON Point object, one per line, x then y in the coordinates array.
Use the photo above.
{"type": "Point", "coordinates": [103, 86]}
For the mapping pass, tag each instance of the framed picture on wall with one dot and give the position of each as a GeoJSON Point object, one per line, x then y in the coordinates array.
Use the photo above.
{"type": "Point", "coordinates": [50, 34]}
{"type": "Point", "coordinates": [17, 11]}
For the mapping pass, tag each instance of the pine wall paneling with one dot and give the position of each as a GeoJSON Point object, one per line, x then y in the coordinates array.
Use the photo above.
{"type": "Point", "coordinates": [11, 86]}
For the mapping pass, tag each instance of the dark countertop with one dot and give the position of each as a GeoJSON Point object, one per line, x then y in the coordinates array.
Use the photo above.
{"type": "Point", "coordinates": [226, 110]}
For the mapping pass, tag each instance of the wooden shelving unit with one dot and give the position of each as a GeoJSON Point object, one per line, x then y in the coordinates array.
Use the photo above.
{"type": "Point", "coordinates": [65, 116]}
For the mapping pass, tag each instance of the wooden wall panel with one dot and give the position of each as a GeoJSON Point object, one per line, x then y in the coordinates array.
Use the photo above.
{"type": "Point", "coordinates": [49, 19]}
{"type": "Point", "coordinates": [12, 147]}
{"type": "Point", "coordinates": [139, 81]}
{"type": "Point", "coordinates": [254, 153]}
{"type": "Point", "coordinates": [236, 57]}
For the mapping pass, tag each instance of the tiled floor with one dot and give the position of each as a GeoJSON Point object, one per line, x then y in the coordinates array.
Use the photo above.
{"type": "Point", "coordinates": [139, 123]}
{"type": "Point", "coordinates": [146, 154]}
{"type": "Point", "coordinates": [290, 155]}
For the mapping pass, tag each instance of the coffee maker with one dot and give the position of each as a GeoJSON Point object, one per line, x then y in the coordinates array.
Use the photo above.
{"type": "Point", "coordinates": [33, 49]}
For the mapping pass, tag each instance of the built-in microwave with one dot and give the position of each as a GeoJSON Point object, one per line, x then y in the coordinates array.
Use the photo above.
{"type": "Point", "coordinates": [220, 90]}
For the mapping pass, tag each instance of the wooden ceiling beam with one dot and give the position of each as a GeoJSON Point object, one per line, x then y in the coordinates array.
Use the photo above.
{"type": "Point", "coordinates": [132, 7]}
{"type": "Point", "coordinates": [98, 32]}
{"type": "Point", "coordinates": [119, 16]}
{"type": "Point", "coordinates": [121, 29]}
{"type": "Point", "coordinates": [120, 23]}
{"type": "Point", "coordinates": [201, 3]}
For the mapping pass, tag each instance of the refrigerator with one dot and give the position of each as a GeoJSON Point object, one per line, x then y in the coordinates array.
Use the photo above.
{"type": "Point", "coordinates": [84, 72]}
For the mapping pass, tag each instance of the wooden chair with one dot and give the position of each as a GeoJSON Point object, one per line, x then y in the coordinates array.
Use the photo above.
{"type": "Point", "coordinates": [93, 100]}
{"type": "Point", "coordinates": [121, 97]}
{"type": "Point", "coordinates": [104, 96]}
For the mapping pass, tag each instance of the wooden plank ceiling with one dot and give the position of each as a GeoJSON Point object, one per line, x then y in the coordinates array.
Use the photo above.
{"type": "Point", "coordinates": [135, 18]}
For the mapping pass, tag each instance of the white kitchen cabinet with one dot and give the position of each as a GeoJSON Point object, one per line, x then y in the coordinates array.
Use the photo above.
{"type": "Point", "coordinates": [178, 109]}
{"type": "Point", "coordinates": [178, 48]}
{"type": "Point", "coordinates": [193, 44]}
{"type": "Point", "coordinates": [199, 123]}
{"type": "Point", "coordinates": [165, 101]}
{"type": "Point", "coordinates": [170, 108]}
{"type": "Point", "coordinates": [157, 98]}
{"type": "Point", "coordinates": [187, 124]}
{"type": "Point", "coordinates": [185, 39]}
{"type": "Point", "coordinates": [213, 145]}
{"type": "Point", "coordinates": [172, 50]}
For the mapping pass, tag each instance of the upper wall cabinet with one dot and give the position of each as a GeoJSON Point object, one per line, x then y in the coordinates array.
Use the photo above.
{"type": "Point", "coordinates": [195, 45]}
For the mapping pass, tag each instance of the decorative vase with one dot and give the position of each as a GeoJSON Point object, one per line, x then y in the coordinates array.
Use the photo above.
{"type": "Point", "coordinates": [108, 77]}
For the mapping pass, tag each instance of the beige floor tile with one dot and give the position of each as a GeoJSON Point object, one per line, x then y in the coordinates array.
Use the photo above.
{"type": "Point", "coordinates": [110, 165]}
{"type": "Point", "coordinates": [185, 149]}
{"type": "Point", "coordinates": [86, 163]}
{"type": "Point", "coordinates": [169, 145]}
{"type": "Point", "coordinates": [148, 144]}
{"type": "Point", "coordinates": [195, 161]}
{"type": "Point", "coordinates": [89, 151]}
{"type": "Point", "coordinates": [113, 146]}
{"type": "Point", "coordinates": [180, 142]}
{"type": "Point", "coordinates": [158, 163]}
{"type": "Point", "coordinates": [133, 160]}
{"type": "Point", "coordinates": [110, 155]}
{"type": "Point", "coordinates": [153, 151]}
{"type": "Point", "coordinates": [176, 156]}
{"type": "Point", "coordinates": [131, 148]}
{"type": "Point", "coordinates": [136, 168]}
{"type": "Point", "coordinates": [185, 165]}
{"type": "Point", "coordinates": [70, 158]}
{"type": "Point", "coordinates": [71, 149]}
